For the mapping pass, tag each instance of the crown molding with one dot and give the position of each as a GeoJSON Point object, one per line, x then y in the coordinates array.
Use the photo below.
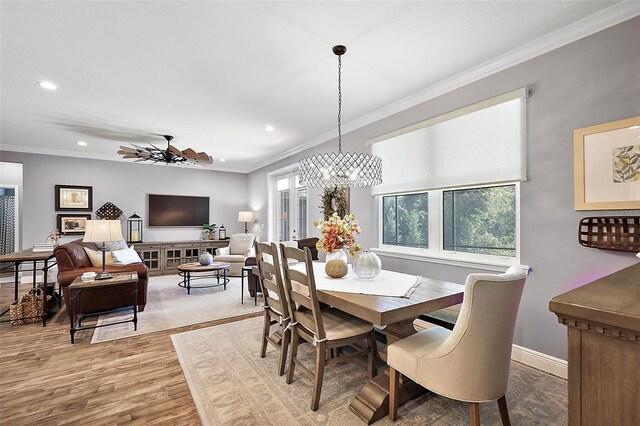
{"type": "Point", "coordinates": [585, 27]}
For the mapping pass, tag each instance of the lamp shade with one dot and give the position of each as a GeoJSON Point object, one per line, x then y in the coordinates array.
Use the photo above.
{"type": "Point", "coordinates": [98, 231]}
{"type": "Point", "coordinates": [245, 217]}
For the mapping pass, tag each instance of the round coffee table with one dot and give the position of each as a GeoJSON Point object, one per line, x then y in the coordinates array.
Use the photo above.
{"type": "Point", "coordinates": [207, 271]}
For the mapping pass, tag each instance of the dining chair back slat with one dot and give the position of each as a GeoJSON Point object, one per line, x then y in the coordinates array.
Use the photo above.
{"type": "Point", "coordinates": [275, 301]}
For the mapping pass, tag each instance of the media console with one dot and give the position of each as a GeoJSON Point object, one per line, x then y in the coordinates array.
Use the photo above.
{"type": "Point", "coordinates": [163, 257]}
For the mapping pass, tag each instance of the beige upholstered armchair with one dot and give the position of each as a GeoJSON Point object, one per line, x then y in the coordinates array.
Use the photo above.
{"type": "Point", "coordinates": [471, 362]}
{"type": "Point", "coordinates": [240, 247]}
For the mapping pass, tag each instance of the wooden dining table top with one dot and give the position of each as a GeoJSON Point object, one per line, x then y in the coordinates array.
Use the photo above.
{"type": "Point", "coordinates": [430, 295]}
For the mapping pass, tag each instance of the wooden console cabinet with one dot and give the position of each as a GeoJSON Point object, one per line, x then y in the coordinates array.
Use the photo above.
{"type": "Point", "coordinates": [163, 257]}
{"type": "Point", "coordinates": [603, 321]}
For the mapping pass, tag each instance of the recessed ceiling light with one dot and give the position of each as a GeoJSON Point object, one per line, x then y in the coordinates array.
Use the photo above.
{"type": "Point", "coordinates": [269, 128]}
{"type": "Point", "coordinates": [82, 143]}
{"type": "Point", "coordinates": [222, 160]}
{"type": "Point", "coordinates": [47, 85]}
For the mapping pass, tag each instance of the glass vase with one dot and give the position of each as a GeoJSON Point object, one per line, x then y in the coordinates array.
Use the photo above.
{"type": "Point", "coordinates": [338, 254]}
{"type": "Point", "coordinates": [366, 264]}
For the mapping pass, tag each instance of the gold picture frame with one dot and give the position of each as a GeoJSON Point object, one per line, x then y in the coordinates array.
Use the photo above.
{"type": "Point", "coordinates": [606, 166]}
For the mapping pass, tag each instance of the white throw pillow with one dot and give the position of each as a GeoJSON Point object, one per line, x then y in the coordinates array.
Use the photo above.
{"type": "Point", "coordinates": [241, 243]}
{"type": "Point", "coordinates": [126, 256]}
{"type": "Point", "coordinates": [95, 257]}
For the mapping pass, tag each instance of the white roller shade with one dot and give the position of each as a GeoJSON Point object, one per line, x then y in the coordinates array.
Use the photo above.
{"type": "Point", "coordinates": [479, 144]}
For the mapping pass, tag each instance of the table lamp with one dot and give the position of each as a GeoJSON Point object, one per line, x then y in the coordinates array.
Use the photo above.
{"type": "Point", "coordinates": [101, 231]}
{"type": "Point", "coordinates": [245, 217]}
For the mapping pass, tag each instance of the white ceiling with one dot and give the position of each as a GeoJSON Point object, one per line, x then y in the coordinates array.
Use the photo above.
{"type": "Point", "coordinates": [214, 74]}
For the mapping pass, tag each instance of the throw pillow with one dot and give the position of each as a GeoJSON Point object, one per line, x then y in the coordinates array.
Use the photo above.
{"type": "Point", "coordinates": [241, 243]}
{"type": "Point", "coordinates": [126, 256]}
{"type": "Point", "coordinates": [115, 245]}
{"type": "Point", "coordinates": [95, 257]}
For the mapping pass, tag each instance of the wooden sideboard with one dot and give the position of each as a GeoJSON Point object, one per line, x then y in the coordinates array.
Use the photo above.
{"type": "Point", "coordinates": [603, 321]}
{"type": "Point", "coordinates": [163, 257]}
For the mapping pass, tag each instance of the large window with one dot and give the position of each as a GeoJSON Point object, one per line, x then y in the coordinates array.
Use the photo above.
{"type": "Point", "coordinates": [290, 202]}
{"type": "Point", "coordinates": [475, 222]}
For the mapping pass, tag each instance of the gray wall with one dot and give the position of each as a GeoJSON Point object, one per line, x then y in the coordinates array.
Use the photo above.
{"type": "Point", "coordinates": [126, 185]}
{"type": "Point", "coordinates": [591, 81]}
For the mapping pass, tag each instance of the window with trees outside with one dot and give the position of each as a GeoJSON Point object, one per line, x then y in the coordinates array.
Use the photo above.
{"type": "Point", "coordinates": [474, 221]}
{"type": "Point", "coordinates": [290, 201]}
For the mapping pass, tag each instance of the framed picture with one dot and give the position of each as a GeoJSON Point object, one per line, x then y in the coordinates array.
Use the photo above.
{"type": "Point", "coordinates": [73, 197]}
{"type": "Point", "coordinates": [73, 223]}
{"type": "Point", "coordinates": [606, 166]}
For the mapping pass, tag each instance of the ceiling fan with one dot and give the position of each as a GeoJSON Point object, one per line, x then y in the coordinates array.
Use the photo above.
{"type": "Point", "coordinates": [171, 155]}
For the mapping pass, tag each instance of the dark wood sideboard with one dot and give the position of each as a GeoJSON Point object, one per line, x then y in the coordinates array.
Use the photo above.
{"type": "Point", "coordinates": [163, 257]}
{"type": "Point", "coordinates": [603, 321]}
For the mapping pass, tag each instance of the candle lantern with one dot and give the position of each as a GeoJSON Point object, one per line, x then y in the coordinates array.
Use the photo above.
{"type": "Point", "coordinates": [134, 228]}
{"type": "Point", "coordinates": [222, 233]}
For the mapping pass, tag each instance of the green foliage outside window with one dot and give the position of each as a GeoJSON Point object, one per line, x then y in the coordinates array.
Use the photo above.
{"type": "Point", "coordinates": [480, 220]}
{"type": "Point", "coordinates": [405, 221]}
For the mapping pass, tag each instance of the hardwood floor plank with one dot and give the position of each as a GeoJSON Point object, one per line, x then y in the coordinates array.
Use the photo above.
{"type": "Point", "coordinates": [45, 380]}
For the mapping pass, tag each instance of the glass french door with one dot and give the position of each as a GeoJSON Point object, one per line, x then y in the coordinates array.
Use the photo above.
{"type": "Point", "coordinates": [290, 207]}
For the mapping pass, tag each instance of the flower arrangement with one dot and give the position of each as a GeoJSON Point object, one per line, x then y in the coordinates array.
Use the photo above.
{"type": "Point", "coordinates": [337, 234]}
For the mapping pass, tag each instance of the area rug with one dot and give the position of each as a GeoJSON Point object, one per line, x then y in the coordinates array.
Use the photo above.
{"type": "Point", "coordinates": [169, 306]}
{"type": "Point", "coordinates": [231, 384]}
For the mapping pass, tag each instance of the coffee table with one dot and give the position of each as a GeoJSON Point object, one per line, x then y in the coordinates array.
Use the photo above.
{"type": "Point", "coordinates": [204, 271]}
{"type": "Point", "coordinates": [84, 291]}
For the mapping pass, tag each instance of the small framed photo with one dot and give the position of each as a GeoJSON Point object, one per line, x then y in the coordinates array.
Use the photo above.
{"type": "Point", "coordinates": [73, 197]}
{"type": "Point", "coordinates": [607, 166]}
{"type": "Point", "coordinates": [73, 223]}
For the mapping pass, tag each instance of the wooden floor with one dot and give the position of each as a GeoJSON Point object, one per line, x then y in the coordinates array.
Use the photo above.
{"type": "Point", "coordinates": [45, 380]}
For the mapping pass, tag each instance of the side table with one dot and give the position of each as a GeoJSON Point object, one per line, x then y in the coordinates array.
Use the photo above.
{"type": "Point", "coordinates": [246, 270]}
{"type": "Point", "coordinates": [83, 291]}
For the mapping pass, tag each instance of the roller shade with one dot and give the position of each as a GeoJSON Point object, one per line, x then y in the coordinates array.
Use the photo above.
{"type": "Point", "coordinates": [480, 144]}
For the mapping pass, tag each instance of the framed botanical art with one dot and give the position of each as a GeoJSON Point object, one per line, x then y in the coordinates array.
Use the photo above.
{"type": "Point", "coordinates": [73, 197]}
{"type": "Point", "coordinates": [606, 164]}
{"type": "Point", "coordinates": [72, 223]}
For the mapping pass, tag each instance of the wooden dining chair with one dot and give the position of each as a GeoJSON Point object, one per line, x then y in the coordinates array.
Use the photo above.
{"type": "Point", "coordinates": [326, 329]}
{"type": "Point", "coordinates": [471, 362]}
{"type": "Point", "coordinates": [276, 308]}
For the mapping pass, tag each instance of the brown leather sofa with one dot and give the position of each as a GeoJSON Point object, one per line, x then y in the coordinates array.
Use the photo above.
{"type": "Point", "coordinates": [73, 261]}
{"type": "Point", "coordinates": [252, 279]}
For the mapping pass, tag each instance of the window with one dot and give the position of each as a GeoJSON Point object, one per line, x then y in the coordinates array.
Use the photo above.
{"type": "Point", "coordinates": [405, 221]}
{"type": "Point", "coordinates": [476, 223]}
{"type": "Point", "coordinates": [289, 207]}
{"type": "Point", "coordinates": [480, 220]}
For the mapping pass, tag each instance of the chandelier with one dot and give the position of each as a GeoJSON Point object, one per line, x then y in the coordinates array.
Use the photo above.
{"type": "Point", "coordinates": [338, 168]}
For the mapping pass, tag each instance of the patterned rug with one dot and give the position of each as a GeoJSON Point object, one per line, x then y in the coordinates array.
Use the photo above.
{"type": "Point", "coordinates": [232, 385]}
{"type": "Point", "coordinates": [169, 306]}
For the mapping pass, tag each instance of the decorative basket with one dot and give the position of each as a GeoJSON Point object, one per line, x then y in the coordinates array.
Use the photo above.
{"type": "Point", "coordinates": [29, 309]}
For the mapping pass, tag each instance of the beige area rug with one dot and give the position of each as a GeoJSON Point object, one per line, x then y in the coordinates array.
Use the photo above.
{"type": "Point", "coordinates": [232, 385]}
{"type": "Point", "coordinates": [169, 306]}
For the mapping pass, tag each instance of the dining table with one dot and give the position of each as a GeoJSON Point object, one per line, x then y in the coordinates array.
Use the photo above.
{"type": "Point", "coordinates": [394, 317]}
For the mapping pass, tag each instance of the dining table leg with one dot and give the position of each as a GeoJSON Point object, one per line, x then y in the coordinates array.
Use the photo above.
{"type": "Point", "coordinates": [372, 402]}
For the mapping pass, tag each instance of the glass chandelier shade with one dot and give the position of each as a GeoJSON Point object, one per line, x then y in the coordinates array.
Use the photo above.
{"type": "Point", "coordinates": [340, 169]}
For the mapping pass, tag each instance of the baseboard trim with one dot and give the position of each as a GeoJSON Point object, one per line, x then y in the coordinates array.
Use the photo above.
{"type": "Point", "coordinates": [544, 362]}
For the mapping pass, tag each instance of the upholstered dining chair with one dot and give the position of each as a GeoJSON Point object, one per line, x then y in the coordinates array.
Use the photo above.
{"type": "Point", "coordinates": [325, 329]}
{"type": "Point", "coordinates": [276, 308]}
{"type": "Point", "coordinates": [471, 362]}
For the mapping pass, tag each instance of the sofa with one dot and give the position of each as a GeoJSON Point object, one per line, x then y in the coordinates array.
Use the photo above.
{"type": "Point", "coordinates": [236, 253]}
{"type": "Point", "coordinates": [72, 261]}
{"type": "Point", "coordinates": [252, 280]}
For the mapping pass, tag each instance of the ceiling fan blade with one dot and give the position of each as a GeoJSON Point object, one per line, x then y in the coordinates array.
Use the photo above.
{"type": "Point", "coordinates": [203, 157]}
{"type": "Point", "coordinates": [190, 153]}
{"type": "Point", "coordinates": [174, 151]}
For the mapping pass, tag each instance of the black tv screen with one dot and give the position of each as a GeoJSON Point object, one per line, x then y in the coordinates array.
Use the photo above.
{"type": "Point", "coordinates": [178, 210]}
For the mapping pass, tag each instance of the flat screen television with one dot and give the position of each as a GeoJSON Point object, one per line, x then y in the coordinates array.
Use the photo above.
{"type": "Point", "coordinates": [178, 210]}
